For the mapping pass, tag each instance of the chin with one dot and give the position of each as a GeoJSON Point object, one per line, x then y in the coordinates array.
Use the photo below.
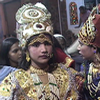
{"type": "Point", "coordinates": [44, 61]}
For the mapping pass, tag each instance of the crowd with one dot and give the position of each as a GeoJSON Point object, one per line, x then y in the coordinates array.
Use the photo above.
{"type": "Point", "coordinates": [37, 66]}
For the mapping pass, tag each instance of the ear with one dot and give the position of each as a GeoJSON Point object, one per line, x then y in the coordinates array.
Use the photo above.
{"type": "Point", "coordinates": [94, 49]}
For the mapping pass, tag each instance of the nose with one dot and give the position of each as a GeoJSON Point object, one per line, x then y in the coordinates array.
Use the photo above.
{"type": "Point", "coordinates": [19, 52]}
{"type": "Point", "coordinates": [43, 48]}
{"type": "Point", "coordinates": [78, 47]}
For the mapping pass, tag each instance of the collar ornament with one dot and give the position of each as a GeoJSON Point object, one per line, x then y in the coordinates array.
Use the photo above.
{"type": "Point", "coordinates": [34, 70]}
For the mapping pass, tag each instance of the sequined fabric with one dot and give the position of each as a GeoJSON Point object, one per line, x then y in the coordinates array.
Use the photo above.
{"type": "Point", "coordinates": [21, 86]}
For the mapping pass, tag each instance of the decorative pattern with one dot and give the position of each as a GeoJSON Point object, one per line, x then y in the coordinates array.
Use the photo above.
{"type": "Point", "coordinates": [90, 32]}
{"type": "Point", "coordinates": [73, 13]}
{"type": "Point", "coordinates": [22, 86]}
{"type": "Point", "coordinates": [93, 81]}
{"type": "Point", "coordinates": [32, 20]}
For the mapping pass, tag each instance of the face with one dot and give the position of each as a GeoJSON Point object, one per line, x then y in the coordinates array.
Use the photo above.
{"type": "Point", "coordinates": [86, 51]}
{"type": "Point", "coordinates": [40, 50]}
{"type": "Point", "coordinates": [14, 54]}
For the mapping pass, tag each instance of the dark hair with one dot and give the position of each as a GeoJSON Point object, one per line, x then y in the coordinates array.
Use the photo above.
{"type": "Point", "coordinates": [5, 48]}
{"type": "Point", "coordinates": [25, 65]}
{"type": "Point", "coordinates": [56, 43]}
{"type": "Point", "coordinates": [82, 9]}
{"type": "Point", "coordinates": [98, 49]}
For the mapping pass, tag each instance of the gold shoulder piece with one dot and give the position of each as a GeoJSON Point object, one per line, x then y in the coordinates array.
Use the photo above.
{"type": "Point", "coordinates": [69, 61]}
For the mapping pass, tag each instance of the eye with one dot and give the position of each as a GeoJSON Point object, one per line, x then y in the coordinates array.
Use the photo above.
{"type": "Point", "coordinates": [15, 50]}
{"type": "Point", "coordinates": [36, 44]}
{"type": "Point", "coordinates": [47, 43]}
{"type": "Point", "coordinates": [81, 44]}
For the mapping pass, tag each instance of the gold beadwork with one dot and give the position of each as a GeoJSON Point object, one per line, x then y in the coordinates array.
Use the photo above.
{"type": "Point", "coordinates": [41, 38]}
{"type": "Point", "coordinates": [88, 32]}
{"type": "Point", "coordinates": [37, 71]}
{"type": "Point", "coordinates": [32, 20]}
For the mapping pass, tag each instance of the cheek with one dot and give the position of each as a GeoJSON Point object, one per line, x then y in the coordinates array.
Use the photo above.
{"type": "Point", "coordinates": [12, 56]}
{"type": "Point", "coordinates": [32, 51]}
{"type": "Point", "coordinates": [83, 50]}
{"type": "Point", "coordinates": [49, 49]}
{"type": "Point", "coordinates": [86, 52]}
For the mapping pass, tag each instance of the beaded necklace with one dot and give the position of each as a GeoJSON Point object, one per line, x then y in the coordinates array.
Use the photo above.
{"type": "Point", "coordinates": [49, 91]}
{"type": "Point", "coordinates": [37, 71]}
{"type": "Point", "coordinates": [91, 86]}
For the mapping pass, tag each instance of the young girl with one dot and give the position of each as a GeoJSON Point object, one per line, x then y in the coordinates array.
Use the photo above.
{"type": "Point", "coordinates": [10, 55]}
{"type": "Point", "coordinates": [39, 77]}
{"type": "Point", "coordinates": [89, 48]}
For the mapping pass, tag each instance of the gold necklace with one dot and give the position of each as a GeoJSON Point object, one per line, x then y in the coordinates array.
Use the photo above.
{"type": "Point", "coordinates": [37, 71]}
{"type": "Point", "coordinates": [91, 86]}
{"type": "Point", "coordinates": [95, 65]}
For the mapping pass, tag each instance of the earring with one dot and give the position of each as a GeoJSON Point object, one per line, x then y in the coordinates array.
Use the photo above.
{"type": "Point", "coordinates": [51, 55]}
{"type": "Point", "coordinates": [94, 51]}
{"type": "Point", "coordinates": [27, 57]}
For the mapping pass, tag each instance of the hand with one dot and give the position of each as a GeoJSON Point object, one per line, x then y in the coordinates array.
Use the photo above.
{"type": "Point", "coordinates": [79, 79]}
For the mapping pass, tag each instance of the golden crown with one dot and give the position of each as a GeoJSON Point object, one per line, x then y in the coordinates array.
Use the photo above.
{"type": "Point", "coordinates": [90, 32]}
{"type": "Point", "coordinates": [32, 20]}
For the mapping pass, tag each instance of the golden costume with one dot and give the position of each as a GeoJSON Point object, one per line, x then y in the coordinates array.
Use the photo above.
{"type": "Point", "coordinates": [20, 85]}
{"type": "Point", "coordinates": [26, 85]}
{"type": "Point", "coordinates": [90, 36]}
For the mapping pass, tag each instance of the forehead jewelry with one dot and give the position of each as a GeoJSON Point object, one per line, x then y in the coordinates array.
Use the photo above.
{"type": "Point", "coordinates": [41, 38]}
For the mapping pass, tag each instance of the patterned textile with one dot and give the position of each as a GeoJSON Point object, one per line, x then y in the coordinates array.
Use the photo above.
{"type": "Point", "coordinates": [4, 71]}
{"type": "Point", "coordinates": [20, 85]}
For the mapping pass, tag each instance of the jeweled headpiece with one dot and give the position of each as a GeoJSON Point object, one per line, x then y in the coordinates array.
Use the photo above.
{"type": "Point", "coordinates": [32, 20]}
{"type": "Point", "coordinates": [90, 32]}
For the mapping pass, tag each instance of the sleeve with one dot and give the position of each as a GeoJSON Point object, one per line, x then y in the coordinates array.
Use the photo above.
{"type": "Point", "coordinates": [14, 86]}
{"type": "Point", "coordinates": [10, 89]}
{"type": "Point", "coordinates": [62, 57]}
{"type": "Point", "coordinates": [6, 88]}
{"type": "Point", "coordinates": [5, 71]}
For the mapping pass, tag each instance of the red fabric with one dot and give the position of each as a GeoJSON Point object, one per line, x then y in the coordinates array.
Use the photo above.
{"type": "Point", "coordinates": [96, 22]}
{"type": "Point", "coordinates": [61, 56]}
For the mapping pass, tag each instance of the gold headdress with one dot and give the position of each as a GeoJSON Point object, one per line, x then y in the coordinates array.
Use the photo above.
{"type": "Point", "coordinates": [90, 32]}
{"type": "Point", "coordinates": [32, 20]}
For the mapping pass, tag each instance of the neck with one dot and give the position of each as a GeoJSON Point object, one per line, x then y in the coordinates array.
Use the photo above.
{"type": "Point", "coordinates": [14, 65]}
{"type": "Point", "coordinates": [40, 66]}
{"type": "Point", "coordinates": [37, 71]}
{"type": "Point", "coordinates": [96, 61]}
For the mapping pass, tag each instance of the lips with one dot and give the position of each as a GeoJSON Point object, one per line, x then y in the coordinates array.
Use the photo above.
{"type": "Point", "coordinates": [44, 56]}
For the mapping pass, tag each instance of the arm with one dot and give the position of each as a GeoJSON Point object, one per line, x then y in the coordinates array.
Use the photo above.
{"type": "Point", "coordinates": [73, 47]}
{"type": "Point", "coordinates": [80, 22]}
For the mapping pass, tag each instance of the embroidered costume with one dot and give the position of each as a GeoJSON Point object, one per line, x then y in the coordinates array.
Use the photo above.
{"type": "Point", "coordinates": [34, 24]}
{"type": "Point", "coordinates": [90, 35]}
{"type": "Point", "coordinates": [4, 71]}
{"type": "Point", "coordinates": [20, 85]}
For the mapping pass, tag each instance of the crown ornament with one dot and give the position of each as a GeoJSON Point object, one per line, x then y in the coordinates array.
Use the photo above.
{"type": "Point", "coordinates": [90, 32]}
{"type": "Point", "coordinates": [32, 20]}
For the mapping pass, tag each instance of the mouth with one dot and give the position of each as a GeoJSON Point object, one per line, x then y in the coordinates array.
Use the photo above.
{"type": "Point", "coordinates": [44, 56]}
{"type": "Point", "coordinates": [19, 57]}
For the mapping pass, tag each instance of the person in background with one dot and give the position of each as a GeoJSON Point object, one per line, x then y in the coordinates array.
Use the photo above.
{"type": "Point", "coordinates": [60, 55]}
{"type": "Point", "coordinates": [62, 41]}
{"type": "Point", "coordinates": [39, 77]}
{"type": "Point", "coordinates": [72, 50]}
{"type": "Point", "coordinates": [84, 14]}
{"type": "Point", "coordinates": [10, 54]}
{"type": "Point", "coordinates": [89, 48]}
